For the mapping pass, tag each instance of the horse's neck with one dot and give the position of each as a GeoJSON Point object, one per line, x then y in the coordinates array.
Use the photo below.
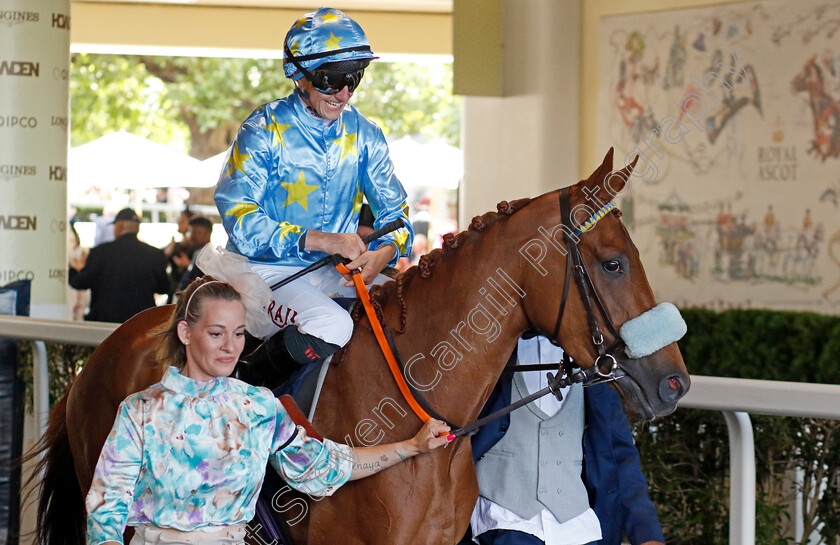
{"type": "Point", "coordinates": [462, 323]}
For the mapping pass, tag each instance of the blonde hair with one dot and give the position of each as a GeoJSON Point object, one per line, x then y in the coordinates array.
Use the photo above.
{"type": "Point", "coordinates": [170, 350]}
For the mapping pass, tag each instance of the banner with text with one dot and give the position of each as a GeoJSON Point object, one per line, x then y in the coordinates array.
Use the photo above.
{"type": "Point", "coordinates": [34, 129]}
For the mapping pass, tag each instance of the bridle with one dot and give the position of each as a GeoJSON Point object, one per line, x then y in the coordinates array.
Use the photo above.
{"type": "Point", "coordinates": [607, 367]}
{"type": "Point", "coordinates": [606, 364]}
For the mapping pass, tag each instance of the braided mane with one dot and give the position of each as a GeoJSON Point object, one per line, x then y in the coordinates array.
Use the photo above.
{"type": "Point", "coordinates": [381, 294]}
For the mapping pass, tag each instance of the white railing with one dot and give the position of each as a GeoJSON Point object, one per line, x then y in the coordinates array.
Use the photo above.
{"type": "Point", "coordinates": [39, 330]}
{"type": "Point", "coordinates": [735, 398]}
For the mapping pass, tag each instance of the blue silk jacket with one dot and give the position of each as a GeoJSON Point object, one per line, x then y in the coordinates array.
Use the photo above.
{"type": "Point", "coordinates": [289, 171]}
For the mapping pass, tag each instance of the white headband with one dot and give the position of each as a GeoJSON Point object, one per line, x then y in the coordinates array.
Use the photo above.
{"type": "Point", "coordinates": [187, 309]}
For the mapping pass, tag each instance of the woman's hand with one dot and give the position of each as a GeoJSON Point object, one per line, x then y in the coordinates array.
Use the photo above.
{"type": "Point", "coordinates": [432, 435]}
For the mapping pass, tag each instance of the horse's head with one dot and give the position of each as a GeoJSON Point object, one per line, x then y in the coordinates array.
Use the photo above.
{"type": "Point", "coordinates": [653, 376]}
{"type": "Point", "coordinates": [809, 79]}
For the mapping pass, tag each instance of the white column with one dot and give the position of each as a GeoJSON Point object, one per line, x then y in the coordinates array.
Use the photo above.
{"type": "Point", "coordinates": [34, 125]}
{"type": "Point", "coordinates": [523, 141]}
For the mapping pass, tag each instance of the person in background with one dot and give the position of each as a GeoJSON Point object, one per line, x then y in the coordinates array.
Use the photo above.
{"type": "Point", "coordinates": [200, 230]}
{"type": "Point", "coordinates": [123, 276]}
{"type": "Point", "coordinates": [366, 221]}
{"type": "Point", "coordinates": [185, 459]}
{"type": "Point", "coordinates": [294, 183]}
{"type": "Point", "coordinates": [78, 300]}
{"type": "Point", "coordinates": [558, 472]}
{"type": "Point", "coordinates": [177, 253]}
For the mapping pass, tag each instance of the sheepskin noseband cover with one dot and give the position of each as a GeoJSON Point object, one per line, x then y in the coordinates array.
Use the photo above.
{"type": "Point", "coordinates": [652, 330]}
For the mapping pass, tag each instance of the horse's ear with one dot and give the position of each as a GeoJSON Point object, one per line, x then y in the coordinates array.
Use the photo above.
{"type": "Point", "coordinates": [618, 180]}
{"type": "Point", "coordinates": [603, 170]}
{"type": "Point", "coordinates": [605, 183]}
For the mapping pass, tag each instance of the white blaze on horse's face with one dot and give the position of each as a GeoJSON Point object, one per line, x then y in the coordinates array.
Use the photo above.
{"type": "Point", "coordinates": [214, 343]}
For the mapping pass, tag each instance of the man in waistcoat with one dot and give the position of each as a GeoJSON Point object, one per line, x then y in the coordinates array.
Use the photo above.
{"type": "Point", "coordinates": [558, 472]}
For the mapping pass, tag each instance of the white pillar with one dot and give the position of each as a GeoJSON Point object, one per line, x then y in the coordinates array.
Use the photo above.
{"type": "Point", "coordinates": [520, 138]}
{"type": "Point", "coordinates": [34, 125]}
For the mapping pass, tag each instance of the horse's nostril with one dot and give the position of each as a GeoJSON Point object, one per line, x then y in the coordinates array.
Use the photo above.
{"type": "Point", "coordinates": [670, 389]}
{"type": "Point", "coordinates": [674, 383]}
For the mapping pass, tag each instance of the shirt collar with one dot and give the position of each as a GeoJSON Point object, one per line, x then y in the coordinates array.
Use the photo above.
{"type": "Point", "coordinates": [175, 381]}
{"type": "Point", "coordinates": [310, 119]}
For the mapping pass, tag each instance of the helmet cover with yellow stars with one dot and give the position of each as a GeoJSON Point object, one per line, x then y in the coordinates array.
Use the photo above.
{"type": "Point", "coordinates": [323, 36]}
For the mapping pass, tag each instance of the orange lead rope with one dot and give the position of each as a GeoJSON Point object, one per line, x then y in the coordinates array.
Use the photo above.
{"type": "Point", "coordinates": [362, 292]}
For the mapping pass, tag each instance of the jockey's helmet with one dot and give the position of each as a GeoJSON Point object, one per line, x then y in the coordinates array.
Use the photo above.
{"type": "Point", "coordinates": [326, 36]}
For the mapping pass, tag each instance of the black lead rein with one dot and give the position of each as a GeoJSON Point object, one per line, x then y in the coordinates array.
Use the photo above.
{"type": "Point", "coordinates": [556, 382]}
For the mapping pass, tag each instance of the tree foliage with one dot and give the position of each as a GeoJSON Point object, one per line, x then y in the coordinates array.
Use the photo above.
{"type": "Point", "coordinates": [201, 101]}
{"type": "Point", "coordinates": [111, 93]}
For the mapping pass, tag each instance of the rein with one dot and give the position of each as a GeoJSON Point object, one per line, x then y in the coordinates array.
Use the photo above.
{"type": "Point", "coordinates": [417, 403]}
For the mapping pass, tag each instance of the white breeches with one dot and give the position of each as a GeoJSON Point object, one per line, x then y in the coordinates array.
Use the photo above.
{"type": "Point", "coordinates": [306, 301]}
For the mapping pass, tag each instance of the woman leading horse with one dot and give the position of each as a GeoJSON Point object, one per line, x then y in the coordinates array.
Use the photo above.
{"type": "Point", "coordinates": [456, 317]}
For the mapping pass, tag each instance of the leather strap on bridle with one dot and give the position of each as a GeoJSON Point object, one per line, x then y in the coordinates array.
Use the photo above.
{"type": "Point", "coordinates": [415, 400]}
{"type": "Point", "coordinates": [586, 287]}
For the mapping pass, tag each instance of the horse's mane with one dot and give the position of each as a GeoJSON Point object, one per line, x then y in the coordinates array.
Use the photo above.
{"type": "Point", "coordinates": [381, 294]}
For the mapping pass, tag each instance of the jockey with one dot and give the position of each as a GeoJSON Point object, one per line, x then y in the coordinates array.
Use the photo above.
{"type": "Point", "coordinates": [294, 182]}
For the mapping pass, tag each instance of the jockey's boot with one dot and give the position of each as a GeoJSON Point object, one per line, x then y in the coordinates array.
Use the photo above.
{"type": "Point", "coordinates": [274, 361]}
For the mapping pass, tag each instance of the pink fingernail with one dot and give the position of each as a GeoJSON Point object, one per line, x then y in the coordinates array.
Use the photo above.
{"type": "Point", "coordinates": [450, 437]}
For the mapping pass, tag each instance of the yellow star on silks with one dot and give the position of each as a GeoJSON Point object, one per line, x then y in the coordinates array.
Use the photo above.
{"type": "Point", "coordinates": [241, 209]}
{"type": "Point", "coordinates": [404, 208]}
{"type": "Point", "coordinates": [286, 228]}
{"type": "Point", "coordinates": [332, 43]}
{"type": "Point", "coordinates": [295, 49]}
{"type": "Point", "coordinates": [236, 161]}
{"type": "Point", "coordinates": [330, 17]}
{"type": "Point", "coordinates": [277, 129]}
{"type": "Point", "coordinates": [357, 200]}
{"type": "Point", "coordinates": [401, 239]}
{"type": "Point", "coordinates": [347, 142]}
{"type": "Point", "coordinates": [298, 192]}
{"type": "Point", "coordinates": [300, 22]}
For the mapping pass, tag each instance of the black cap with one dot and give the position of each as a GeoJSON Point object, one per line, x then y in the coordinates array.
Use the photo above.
{"type": "Point", "coordinates": [126, 214]}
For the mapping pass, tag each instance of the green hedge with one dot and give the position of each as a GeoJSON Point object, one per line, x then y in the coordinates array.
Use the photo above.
{"type": "Point", "coordinates": [686, 455]}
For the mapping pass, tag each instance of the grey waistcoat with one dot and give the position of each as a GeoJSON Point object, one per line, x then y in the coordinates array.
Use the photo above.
{"type": "Point", "coordinates": [537, 464]}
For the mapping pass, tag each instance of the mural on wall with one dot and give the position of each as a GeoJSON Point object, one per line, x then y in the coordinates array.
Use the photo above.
{"type": "Point", "coordinates": [734, 111]}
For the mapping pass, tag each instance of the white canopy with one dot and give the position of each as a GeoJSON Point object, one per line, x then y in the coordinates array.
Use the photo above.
{"type": "Point", "coordinates": [125, 160]}
{"type": "Point", "coordinates": [433, 164]}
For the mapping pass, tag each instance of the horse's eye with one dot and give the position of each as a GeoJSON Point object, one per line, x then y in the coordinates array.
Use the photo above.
{"type": "Point", "coordinates": [612, 266]}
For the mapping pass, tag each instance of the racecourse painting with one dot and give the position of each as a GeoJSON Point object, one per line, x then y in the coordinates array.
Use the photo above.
{"type": "Point", "coordinates": [735, 111]}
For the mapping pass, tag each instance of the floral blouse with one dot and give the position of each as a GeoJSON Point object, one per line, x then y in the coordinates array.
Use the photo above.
{"type": "Point", "coordinates": [192, 455]}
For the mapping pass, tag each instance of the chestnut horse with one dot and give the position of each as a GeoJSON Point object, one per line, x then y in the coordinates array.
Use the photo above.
{"type": "Point", "coordinates": [456, 318]}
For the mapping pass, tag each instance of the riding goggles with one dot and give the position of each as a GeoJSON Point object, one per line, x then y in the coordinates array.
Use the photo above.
{"type": "Point", "coordinates": [331, 82]}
